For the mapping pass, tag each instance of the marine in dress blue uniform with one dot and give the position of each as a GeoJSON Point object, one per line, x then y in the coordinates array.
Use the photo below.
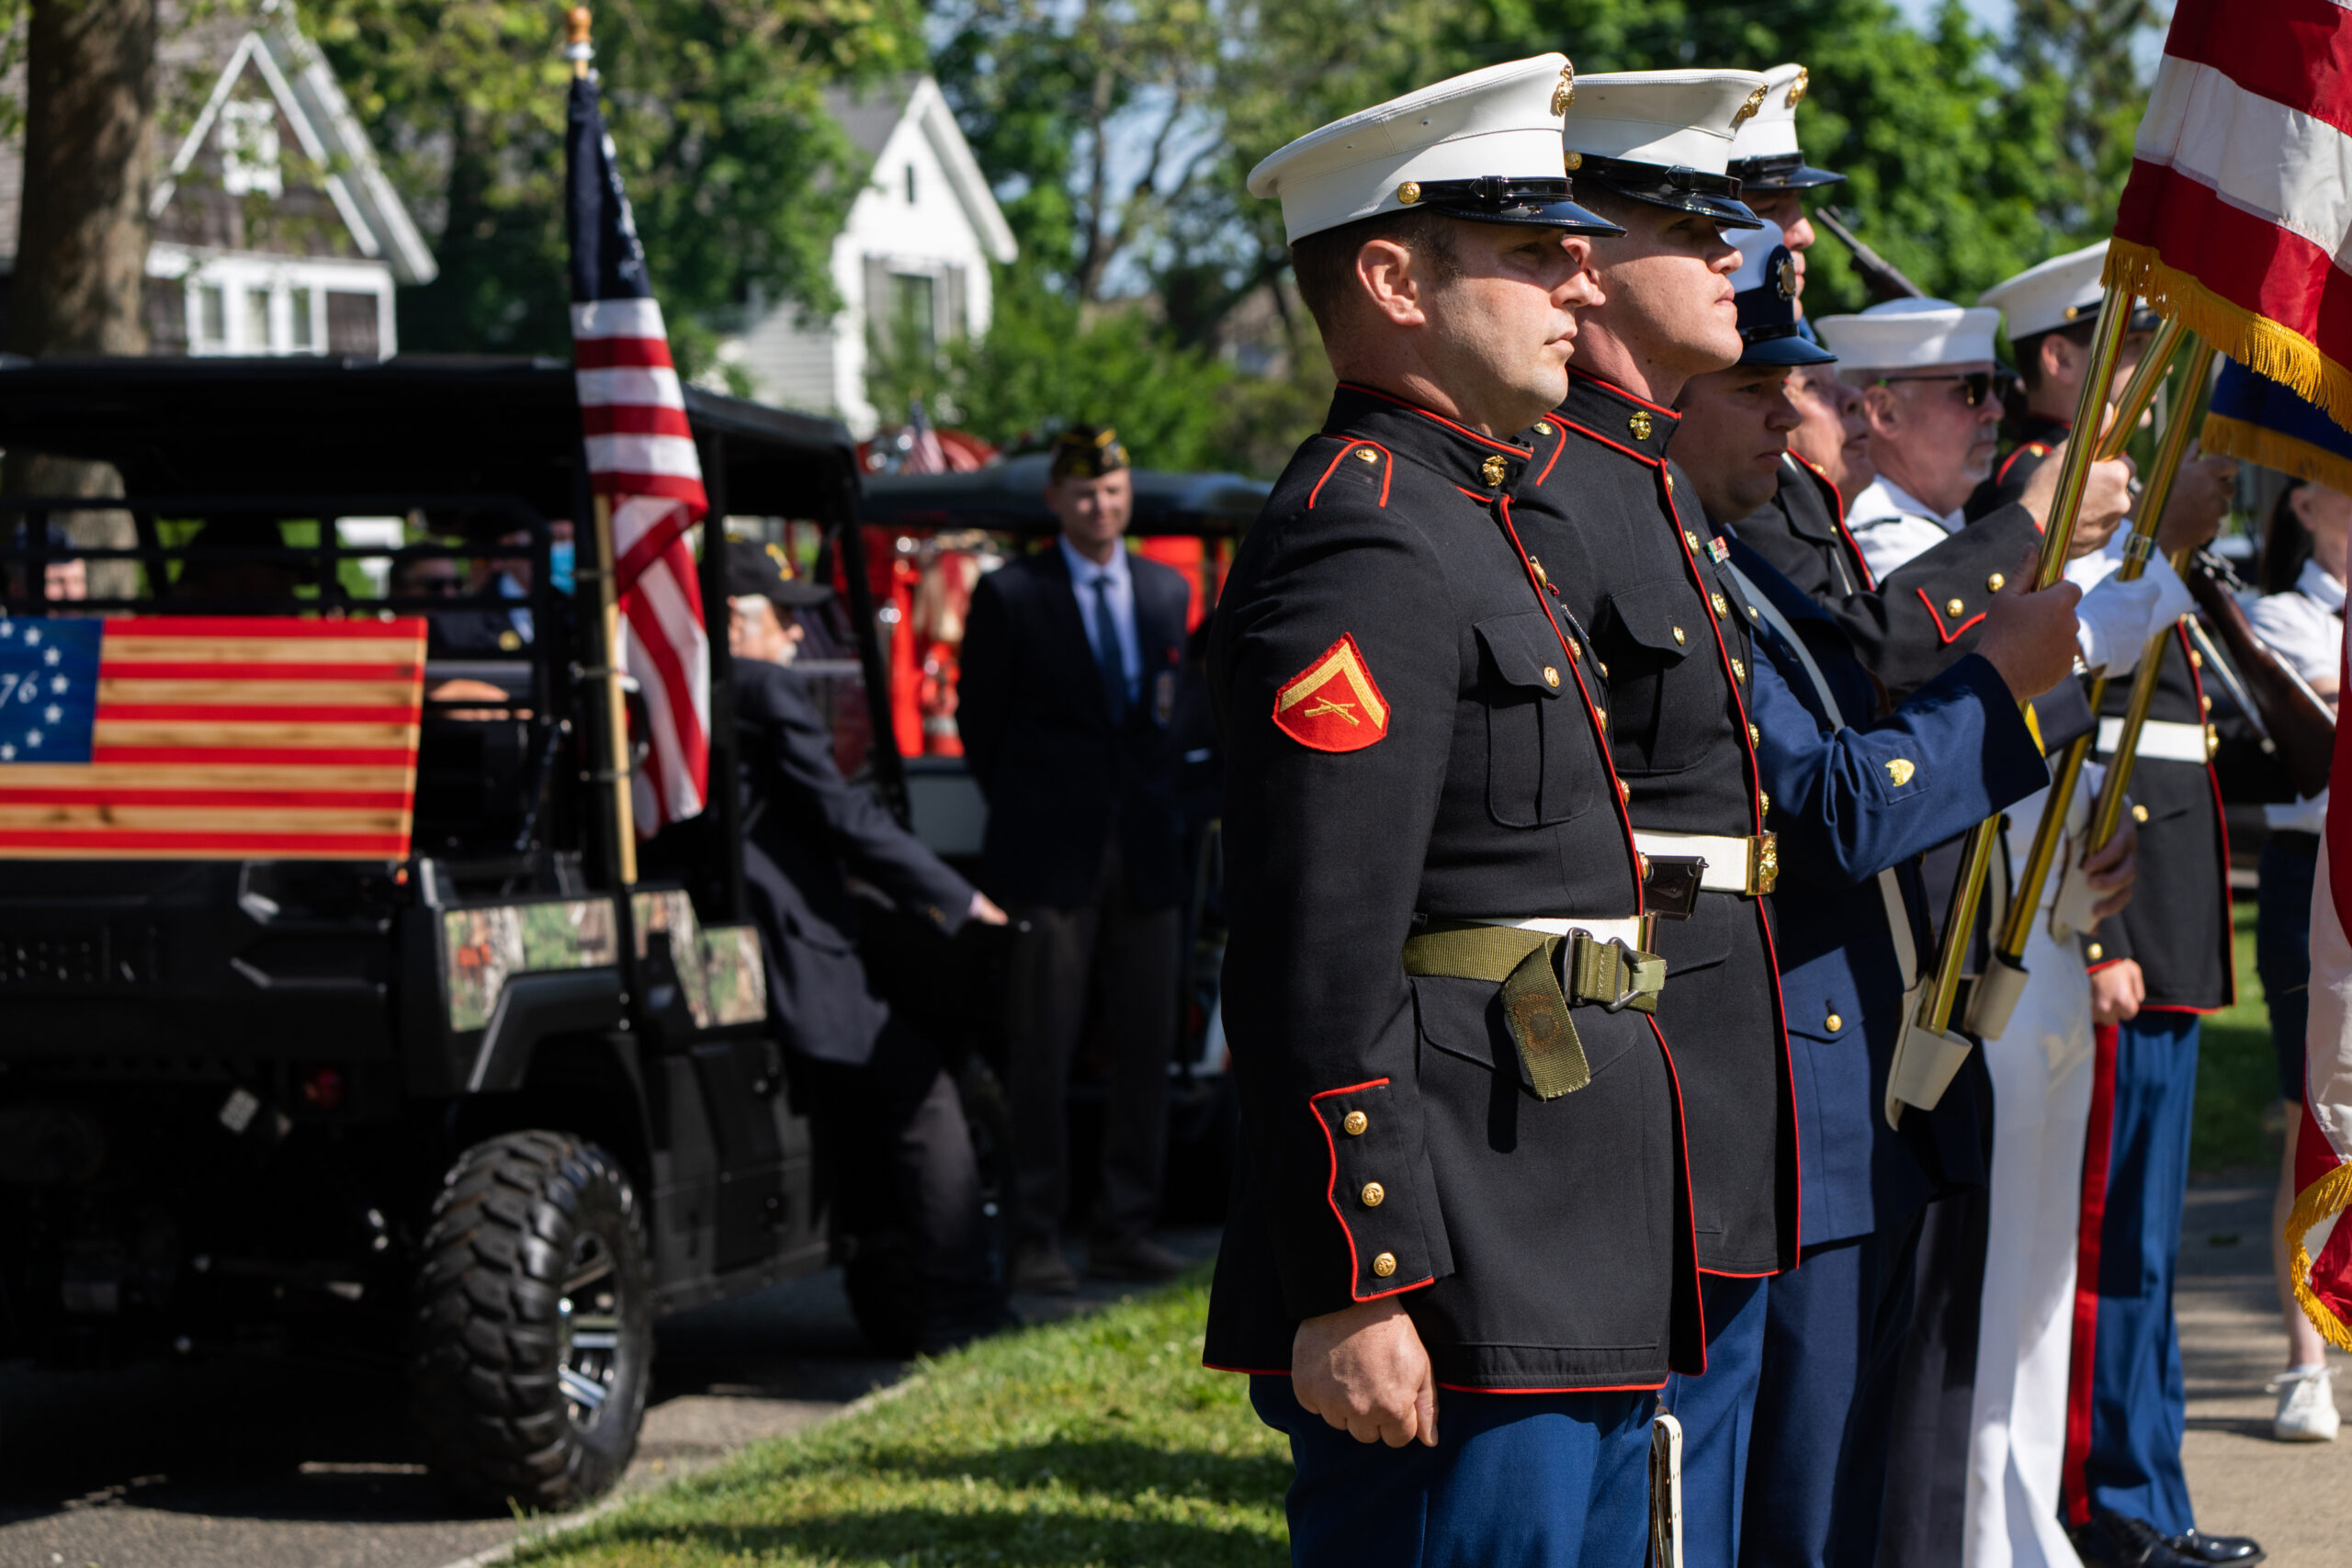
{"type": "Point", "coordinates": [1416, 784]}
{"type": "Point", "coordinates": [1952, 754]}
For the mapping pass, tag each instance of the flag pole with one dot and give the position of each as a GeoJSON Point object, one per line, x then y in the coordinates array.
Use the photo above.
{"type": "Point", "coordinates": [2109, 811]}
{"type": "Point", "coordinates": [1936, 998]}
{"type": "Point", "coordinates": [580, 50]}
{"type": "Point", "coordinates": [1989, 1010]}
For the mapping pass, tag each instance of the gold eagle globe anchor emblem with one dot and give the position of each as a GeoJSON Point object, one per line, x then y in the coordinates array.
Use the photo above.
{"type": "Point", "coordinates": [1566, 93]}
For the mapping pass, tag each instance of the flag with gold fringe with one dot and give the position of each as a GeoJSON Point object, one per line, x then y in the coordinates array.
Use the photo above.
{"type": "Point", "coordinates": [2318, 1245]}
{"type": "Point", "coordinates": [2239, 205]}
{"type": "Point", "coordinates": [2256, 419]}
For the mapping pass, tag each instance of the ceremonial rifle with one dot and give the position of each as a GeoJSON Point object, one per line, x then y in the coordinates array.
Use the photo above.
{"type": "Point", "coordinates": [2299, 727]}
{"type": "Point", "coordinates": [1880, 277]}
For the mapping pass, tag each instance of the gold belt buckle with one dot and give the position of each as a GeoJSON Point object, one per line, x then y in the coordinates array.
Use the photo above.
{"type": "Point", "coordinates": [1763, 863]}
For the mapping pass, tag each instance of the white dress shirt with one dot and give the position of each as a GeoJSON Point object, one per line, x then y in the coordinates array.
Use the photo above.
{"type": "Point", "coordinates": [2306, 625]}
{"type": "Point", "coordinates": [1082, 574]}
{"type": "Point", "coordinates": [1891, 525]}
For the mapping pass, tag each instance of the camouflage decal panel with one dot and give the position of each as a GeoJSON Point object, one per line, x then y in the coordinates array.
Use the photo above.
{"type": "Point", "coordinates": [482, 948]}
{"type": "Point", "coordinates": [734, 975]}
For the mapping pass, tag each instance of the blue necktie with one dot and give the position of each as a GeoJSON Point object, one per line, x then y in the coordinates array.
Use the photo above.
{"type": "Point", "coordinates": [1108, 662]}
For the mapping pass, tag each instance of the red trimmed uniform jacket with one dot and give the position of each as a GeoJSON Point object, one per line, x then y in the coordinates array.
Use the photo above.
{"type": "Point", "coordinates": [1411, 734]}
{"type": "Point", "coordinates": [1624, 543]}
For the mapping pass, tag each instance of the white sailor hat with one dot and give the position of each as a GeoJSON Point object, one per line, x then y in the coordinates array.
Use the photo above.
{"type": "Point", "coordinates": [1484, 146]}
{"type": "Point", "coordinates": [1910, 334]}
{"type": "Point", "coordinates": [1766, 286]}
{"type": "Point", "coordinates": [1764, 154]}
{"type": "Point", "coordinates": [1664, 137]}
{"type": "Point", "coordinates": [2061, 292]}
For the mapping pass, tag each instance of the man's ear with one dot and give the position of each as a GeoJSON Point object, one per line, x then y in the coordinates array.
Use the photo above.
{"type": "Point", "coordinates": [1882, 408]}
{"type": "Point", "coordinates": [1391, 277]}
{"type": "Point", "coordinates": [2061, 360]}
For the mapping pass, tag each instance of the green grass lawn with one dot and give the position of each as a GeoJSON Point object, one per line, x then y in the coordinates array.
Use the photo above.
{"type": "Point", "coordinates": [1097, 1440]}
{"type": "Point", "coordinates": [2236, 1081]}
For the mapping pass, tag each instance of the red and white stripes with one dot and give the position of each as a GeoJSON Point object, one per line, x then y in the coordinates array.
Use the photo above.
{"type": "Point", "coordinates": [641, 458]}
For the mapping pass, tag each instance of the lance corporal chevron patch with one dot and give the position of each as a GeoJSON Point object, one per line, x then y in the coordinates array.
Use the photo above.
{"type": "Point", "coordinates": [1333, 704]}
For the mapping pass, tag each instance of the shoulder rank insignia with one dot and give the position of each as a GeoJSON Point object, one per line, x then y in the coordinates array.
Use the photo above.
{"type": "Point", "coordinates": [1332, 705]}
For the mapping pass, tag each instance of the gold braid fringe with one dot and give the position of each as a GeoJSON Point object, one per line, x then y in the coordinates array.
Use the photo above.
{"type": "Point", "coordinates": [2324, 1198]}
{"type": "Point", "coordinates": [2258, 443]}
{"type": "Point", "coordinates": [2262, 345]}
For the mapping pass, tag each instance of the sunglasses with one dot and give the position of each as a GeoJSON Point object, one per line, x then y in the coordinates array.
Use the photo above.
{"type": "Point", "coordinates": [1975, 386]}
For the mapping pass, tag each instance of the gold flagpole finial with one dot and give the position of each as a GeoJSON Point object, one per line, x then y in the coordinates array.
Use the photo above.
{"type": "Point", "coordinates": [576, 48]}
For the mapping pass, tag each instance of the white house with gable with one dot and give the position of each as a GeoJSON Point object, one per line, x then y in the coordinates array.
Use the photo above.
{"type": "Point", "coordinates": [913, 256]}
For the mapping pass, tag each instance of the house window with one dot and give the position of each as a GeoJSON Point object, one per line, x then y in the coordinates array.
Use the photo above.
{"type": "Point", "coordinates": [249, 148]}
{"type": "Point", "coordinates": [211, 317]}
{"type": "Point", "coordinates": [306, 333]}
{"type": "Point", "coordinates": [257, 334]}
{"type": "Point", "coordinates": [910, 185]}
{"type": "Point", "coordinates": [914, 315]}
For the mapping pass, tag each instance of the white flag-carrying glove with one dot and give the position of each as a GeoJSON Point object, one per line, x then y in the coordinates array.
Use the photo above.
{"type": "Point", "coordinates": [2116, 618]}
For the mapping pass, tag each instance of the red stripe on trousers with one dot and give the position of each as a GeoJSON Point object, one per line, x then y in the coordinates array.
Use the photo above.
{"type": "Point", "coordinates": [2098, 1154]}
{"type": "Point", "coordinates": [2296, 52]}
{"type": "Point", "coordinates": [2247, 260]}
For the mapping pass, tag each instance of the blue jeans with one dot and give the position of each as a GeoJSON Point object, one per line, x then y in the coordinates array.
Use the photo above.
{"type": "Point", "coordinates": [1527, 1480]}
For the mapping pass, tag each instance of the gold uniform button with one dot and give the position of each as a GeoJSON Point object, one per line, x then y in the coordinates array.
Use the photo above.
{"type": "Point", "coordinates": [1751, 612]}
{"type": "Point", "coordinates": [2095, 952]}
{"type": "Point", "coordinates": [1373, 1193]}
{"type": "Point", "coordinates": [1600, 717]}
{"type": "Point", "coordinates": [1738, 669]}
{"type": "Point", "coordinates": [1384, 1265]}
{"type": "Point", "coordinates": [1604, 669]}
{"type": "Point", "coordinates": [1367, 454]}
{"type": "Point", "coordinates": [1722, 604]}
{"type": "Point", "coordinates": [1625, 790]}
{"type": "Point", "coordinates": [1763, 802]}
{"type": "Point", "coordinates": [1543, 427]}
{"type": "Point", "coordinates": [2205, 704]}
{"type": "Point", "coordinates": [509, 640]}
{"type": "Point", "coordinates": [1640, 425]}
{"type": "Point", "coordinates": [1355, 1123]}
{"type": "Point", "coordinates": [1755, 736]}
{"type": "Point", "coordinates": [1689, 538]}
{"type": "Point", "coordinates": [1573, 161]}
{"type": "Point", "coordinates": [2139, 814]}
{"type": "Point", "coordinates": [1551, 676]}
{"type": "Point", "coordinates": [1409, 192]}
{"type": "Point", "coordinates": [1995, 583]}
{"type": "Point", "coordinates": [1678, 636]}
{"type": "Point", "coordinates": [1953, 606]}
{"type": "Point", "coordinates": [1833, 1023]}
{"type": "Point", "coordinates": [2195, 660]}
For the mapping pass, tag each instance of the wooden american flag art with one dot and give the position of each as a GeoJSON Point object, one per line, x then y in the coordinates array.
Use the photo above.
{"type": "Point", "coordinates": [208, 737]}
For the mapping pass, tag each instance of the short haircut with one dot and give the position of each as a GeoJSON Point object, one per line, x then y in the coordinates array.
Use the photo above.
{"type": "Point", "coordinates": [1324, 263]}
{"type": "Point", "coordinates": [1614, 204]}
{"type": "Point", "coordinates": [2029, 349]}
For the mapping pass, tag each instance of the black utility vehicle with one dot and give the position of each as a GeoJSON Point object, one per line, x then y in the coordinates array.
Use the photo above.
{"type": "Point", "coordinates": [478, 1105]}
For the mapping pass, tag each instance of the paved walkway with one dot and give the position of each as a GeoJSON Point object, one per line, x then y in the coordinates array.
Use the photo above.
{"type": "Point", "coordinates": [2295, 1498]}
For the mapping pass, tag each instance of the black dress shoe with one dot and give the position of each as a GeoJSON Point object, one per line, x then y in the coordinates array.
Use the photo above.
{"type": "Point", "coordinates": [2237, 1551]}
{"type": "Point", "coordinates": [2118, 1541]}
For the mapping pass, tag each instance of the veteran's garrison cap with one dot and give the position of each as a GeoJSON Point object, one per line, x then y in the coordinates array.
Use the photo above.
{"type": "Point", "coordinates": [1484, 146]}
{"type": "Point", "coordinates": [1766, 296]}
{"type": "Point", "coordinates": [1764, 153]}
{"type": "Point", "coordinates": [1664, 137]}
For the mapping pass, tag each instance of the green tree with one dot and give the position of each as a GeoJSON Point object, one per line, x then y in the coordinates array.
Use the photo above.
{"type": "Point", "coordinates": [737, 177]}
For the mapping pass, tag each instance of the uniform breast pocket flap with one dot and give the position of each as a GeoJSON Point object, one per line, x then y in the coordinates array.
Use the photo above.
{"type": "Point", "coordinates": [1543, 762]}
{"type": "Point", "coordinates": [1659, 616]}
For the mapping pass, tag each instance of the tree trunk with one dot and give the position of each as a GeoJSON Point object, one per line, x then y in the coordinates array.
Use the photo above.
{"type": "Point", "coordinates": [82, 238]}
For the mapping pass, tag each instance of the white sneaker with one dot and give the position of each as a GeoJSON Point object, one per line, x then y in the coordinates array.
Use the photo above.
{"type": "Point", "coordinates": [2306, 1406]}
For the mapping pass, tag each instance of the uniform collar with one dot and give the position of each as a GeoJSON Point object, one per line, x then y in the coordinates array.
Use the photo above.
{"type": "Point", "coordinates": [2314, 584]}
{"type": "Point", "coordinates": [2043, 428]}
{"type": "Point", "coordinates": [1883, 498]}
{"type": "Point", "coordinates": [1608, 413]}
{"type": "Point", "coordinates": [1083, 571]}
{"type": "Point", "coordinates": [1475, 462]}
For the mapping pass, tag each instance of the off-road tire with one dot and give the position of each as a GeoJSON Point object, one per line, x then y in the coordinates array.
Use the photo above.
{"type": "Point", "coordinates": [493, 1331]}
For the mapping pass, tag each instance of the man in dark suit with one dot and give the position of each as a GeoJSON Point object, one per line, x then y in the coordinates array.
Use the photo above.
{"type": "Point", "coordinates": [890, 1132]}
{"type": "Point", "coordinates": [1071, 662]}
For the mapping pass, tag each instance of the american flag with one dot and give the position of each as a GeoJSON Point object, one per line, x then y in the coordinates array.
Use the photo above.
{"type": "Point", "coordinates": [924, 454]}
{"type": "Point", "coordinates": [208, 737]}
{"type": "Point", "coordinates": [641, 460]}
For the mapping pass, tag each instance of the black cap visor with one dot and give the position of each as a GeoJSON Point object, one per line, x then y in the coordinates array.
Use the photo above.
{"type": "Point", "coordinates": [1782, 346]}
{"type": "Point", "coordinates": [1683, 189]}
{"type": "Point", "coordinates": [1532, 203]}
{"type": "Point", "coordinates": [1780, 171]}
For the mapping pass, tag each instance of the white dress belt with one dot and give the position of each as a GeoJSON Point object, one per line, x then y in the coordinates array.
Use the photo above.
{"type": "Point", "coordinates": [1627, 930]}
{"type": "Point", "coordinates": [2167, 740]}
{"type": "Point", "coordinates": [1728, 859]}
